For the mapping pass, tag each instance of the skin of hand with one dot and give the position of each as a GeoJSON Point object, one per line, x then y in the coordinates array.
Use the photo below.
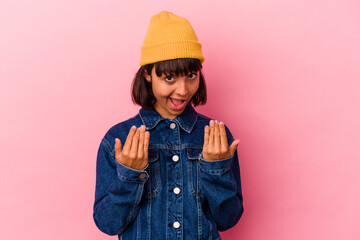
{"type": "Point", "coordinates": [134, 154]}
{"type": "Point", "coordinates": [215, 142]}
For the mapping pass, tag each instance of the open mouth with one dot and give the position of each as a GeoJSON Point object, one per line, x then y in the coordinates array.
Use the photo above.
{"type": "Point", "coordinates": [177, 103]}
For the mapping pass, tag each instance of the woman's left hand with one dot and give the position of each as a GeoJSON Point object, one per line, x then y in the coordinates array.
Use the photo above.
{"type": "Point", "coordinates": [215, 142]}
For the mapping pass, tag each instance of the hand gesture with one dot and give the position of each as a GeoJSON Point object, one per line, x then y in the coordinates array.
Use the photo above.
{"type": "Point", "coordinates": [215, 142]}
{"type": "Point", "coordinates": [135, 152]}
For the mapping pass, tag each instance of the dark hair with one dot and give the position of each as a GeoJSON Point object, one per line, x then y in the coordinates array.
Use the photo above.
{"type": "Point", "coordinates": [142, 94]}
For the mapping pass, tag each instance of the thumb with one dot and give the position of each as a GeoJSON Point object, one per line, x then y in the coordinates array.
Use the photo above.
{"type": "Point", "coordinates": [233, 146]}
{"type": "Point", "coordinates": [118, 146]}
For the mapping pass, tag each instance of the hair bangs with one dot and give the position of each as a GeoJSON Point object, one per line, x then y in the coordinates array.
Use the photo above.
{"type": "Point", "coordinates": [178, 67]}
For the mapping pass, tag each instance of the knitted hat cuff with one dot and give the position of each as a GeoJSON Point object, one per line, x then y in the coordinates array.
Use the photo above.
{"type": "Point", "coordinates": [171, 50]}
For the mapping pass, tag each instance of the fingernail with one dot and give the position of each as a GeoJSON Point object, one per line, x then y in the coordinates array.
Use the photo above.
{"type": "Point", "coordinates": [211, 122]}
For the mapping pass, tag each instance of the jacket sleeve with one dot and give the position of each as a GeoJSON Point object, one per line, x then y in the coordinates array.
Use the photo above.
{"type": "Point", "coordinates": [221, 185]}
{"type": "Point", "coordinates": [118, 192]}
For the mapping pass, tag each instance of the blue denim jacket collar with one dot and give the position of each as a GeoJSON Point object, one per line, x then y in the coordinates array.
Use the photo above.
{"type": "Point", "coordinates": [186, 120]}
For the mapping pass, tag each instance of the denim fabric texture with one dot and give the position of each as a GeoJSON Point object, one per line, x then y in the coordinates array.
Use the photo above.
{"type": "Point", "coordinates": [178, 195]}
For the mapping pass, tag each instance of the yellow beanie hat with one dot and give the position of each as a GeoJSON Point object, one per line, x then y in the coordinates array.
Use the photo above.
{"type": "Point", "coordinates": [169, 37]}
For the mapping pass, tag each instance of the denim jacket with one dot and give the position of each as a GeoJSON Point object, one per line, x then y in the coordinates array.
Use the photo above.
{"type": "Point", "coordinates": [178, 195]}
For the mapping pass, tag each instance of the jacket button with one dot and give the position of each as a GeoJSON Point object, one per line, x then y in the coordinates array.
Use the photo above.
{"type": "Point", "coordinates": [176, 224]}
{"type": "Point", "coordinates": [175, 158]}
{"type": "Point", "coordinates": [172, 125]}
{"type": "Point", "coordinates": [176, 190]}
{"type": "Point", "coordinates": [142, 176]}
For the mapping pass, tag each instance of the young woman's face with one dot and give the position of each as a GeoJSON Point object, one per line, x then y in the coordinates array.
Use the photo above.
{"type": "Point", "coordinates": [172, 93]}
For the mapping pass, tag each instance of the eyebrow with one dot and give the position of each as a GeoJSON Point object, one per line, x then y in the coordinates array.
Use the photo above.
{"type": "Point", "coordinates": [174, 74]}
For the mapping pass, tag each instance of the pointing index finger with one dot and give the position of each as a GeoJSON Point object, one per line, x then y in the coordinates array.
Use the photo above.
{"type": "Point", "coordinates": [128, 140]}
{"type": "Point", "coordinates": [224, 142]}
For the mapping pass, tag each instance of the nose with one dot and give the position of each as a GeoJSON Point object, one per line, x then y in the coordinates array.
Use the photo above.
{"type": "Point", "coordinates": [181, 87]}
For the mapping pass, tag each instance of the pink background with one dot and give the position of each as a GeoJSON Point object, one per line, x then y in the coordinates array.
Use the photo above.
{"type": "Point", "coordinates": [283, 75]}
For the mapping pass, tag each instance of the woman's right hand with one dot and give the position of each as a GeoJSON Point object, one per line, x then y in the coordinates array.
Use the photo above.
{"type": "Point", "coordinates": [134, 154]}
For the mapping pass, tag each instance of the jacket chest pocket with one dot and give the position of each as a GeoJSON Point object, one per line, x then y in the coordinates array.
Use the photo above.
{"type": "Point", "coordinates": [193, 171]}
{"type": "Point", "coordinates": [153, 184]}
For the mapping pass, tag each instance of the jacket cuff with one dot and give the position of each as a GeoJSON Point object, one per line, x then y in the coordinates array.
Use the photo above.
{"type": "Point", "coordinates": [216, 167]}
{"type": "Point", "coordinates": [131, 175]}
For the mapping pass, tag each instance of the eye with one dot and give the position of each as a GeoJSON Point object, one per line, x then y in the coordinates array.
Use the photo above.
{"type": "Point", "coordinates": [192, 75]}
{"type": "Point", "coordinates": [169, 78]}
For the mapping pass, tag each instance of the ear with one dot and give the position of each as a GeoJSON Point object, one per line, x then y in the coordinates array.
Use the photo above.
{"type": "Point", "coordinates": [147, 76]}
